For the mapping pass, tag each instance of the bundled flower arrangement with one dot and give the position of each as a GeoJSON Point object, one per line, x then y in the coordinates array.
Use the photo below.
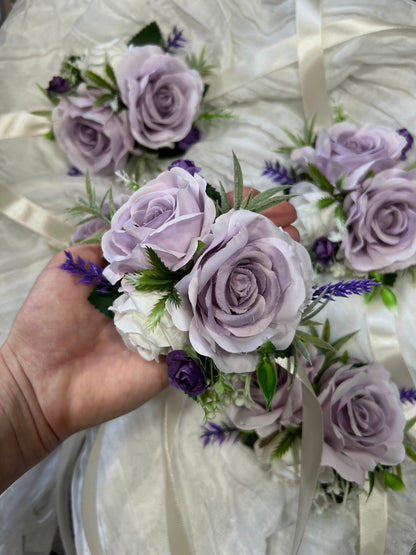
{"type": "Point", "coordinates": [129, 103]}
{"type": "Point", "coordinates": [227, 296]}
{"type": "Point", "coordinates": [365, 433]}
{"type": "Point", "coordinates": [355, 199]}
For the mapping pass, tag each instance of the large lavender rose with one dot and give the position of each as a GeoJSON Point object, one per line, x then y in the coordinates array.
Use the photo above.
{"type": "Point", "coordinates": [346, 150]}
{"type": "Point", "coordinates": [169, 214]}
{"type": "Point", "coordinates": [161, 93]}
{"type": "Point", "coordinates": [93, 138]}
{"type": "Point", "coordinates": [380, 231]}
{"type": "Point", "coordinates": [363, 419]}
{"type": "Point", "coordinates": [249, 285]}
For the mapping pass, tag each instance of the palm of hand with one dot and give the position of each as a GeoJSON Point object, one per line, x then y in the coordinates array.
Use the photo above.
{"type": "Point", "coordinates": [81, 372]}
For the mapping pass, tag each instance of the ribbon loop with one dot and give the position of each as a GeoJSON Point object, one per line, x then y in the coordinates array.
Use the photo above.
{"type": "Point", "coordinates": [22, 124]}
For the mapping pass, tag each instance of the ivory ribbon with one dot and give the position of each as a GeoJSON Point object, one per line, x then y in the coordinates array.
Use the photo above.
{"type": "Point", "coordinates": [89, 497]}
{"type": "Point", "coordinates": [177, 536]}
{"type": "Point", "coordinates": [70, 450]}
{"type": "Point", "coordinates": [373, 521]}
{"type": "Point", "coordinates": [311, 455]}
{"type": "Point", "coordinates": [315, 97]}
{"type": "Point", "coordinates": [23, 124]}
{"type": "Point", "coordinates": [35, 218]}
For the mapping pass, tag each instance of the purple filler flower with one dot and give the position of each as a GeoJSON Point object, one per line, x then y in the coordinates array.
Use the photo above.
{"type": "Point", "coordinates": [185, 373]}
{"type": "Point", "coordinates": [324, 250]}
{"type": "Point", "coordinates": [187, 165]}
{"type": "Point", "coordinates": [58, 85]}
{"type": "Point", "coordinates": [409, 142]}
{"type": "Point", "coordinates": [192, 137]}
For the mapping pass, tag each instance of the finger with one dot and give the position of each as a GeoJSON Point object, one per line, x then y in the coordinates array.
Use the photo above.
{"type": "Point", "coordinates": [293, 232]}
{"type": "Point", "coordinates": [282, 214]}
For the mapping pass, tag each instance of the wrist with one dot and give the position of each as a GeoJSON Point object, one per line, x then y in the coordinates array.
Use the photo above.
{"type": "Point", "coordinates": [25, 435]}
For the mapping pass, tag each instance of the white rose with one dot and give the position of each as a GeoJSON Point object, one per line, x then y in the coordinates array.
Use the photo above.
{"type": "Point", "coordinates": [131, 311]}
{"type": "Point", "coordinates": [312, 222]}
{"type": "Point", "coordinates": [94, 59]}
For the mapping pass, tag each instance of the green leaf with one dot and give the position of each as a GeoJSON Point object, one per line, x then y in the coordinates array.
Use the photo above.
{"type": "Point", "coordinates": [238, 183]}
{"type": "Point", "coordinates": [200, 65]}
{"type": "Point", "coordinates": [213, 193]}
{"type": "Point", "coordinates": [339, 214]}
{"type": "Point", "coordinates": [157, 262]}
{"type": "Point", "coordinates": [325, 202]}
{"type": "Point", "coordinates": [98, 80]}
{"type": "Point", "coordinates": [267, 348]}
{"type": "Point", "coordinates": [319, 178]}
{"type": "Point", "coordinates": [225, 205]}
{"type": "Point", "coordinates": [410, 423]}
{"type": "Point", "coordinates": [317, 341]}
{"type": "Point", "coordinates": [109, 71]}
{"type": "Point", "coordinates": [372, 480]}
{"type": "Point", "coordinates": [339, 343]}
{"type": "Point", "coordinates": [267, 379]}
{"type": "Point", "coordinates": [102, 99]}
{"type": "Point", "coordinates": [410, 453]}
{"type": "Point", "coordinates": [209, 116]}
{"type": "Point", "coordinates": [301, 347]}
{"type": "Point", "coordinates": [344, 358]}
{"type": "Point", "coordinates": [151, 34]}
{"type": "Point", "coordinates": [102, 302]}
{"type": "Point", "coordinates": [326, 332]}
{"type": "Point", "coordinates": [393, 481]}
{"type": "Point", "coordinates": [157, 312]}
{"type": "Point", "coordinates": [388, 279]}
{"type": "Point", "coordinates": [286, 442]}
{"type": "Point", "coordinates": [369, 295]}
{"type": "Point", "coordinates": [388, 297]}
{"type": "Point", "coordinates": [339, 114]}
{"type": "Point", "coordinates": [42, 113]}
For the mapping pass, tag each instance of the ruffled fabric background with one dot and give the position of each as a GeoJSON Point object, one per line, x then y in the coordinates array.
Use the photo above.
{"type": "Point", "coordinates": [229, 505]}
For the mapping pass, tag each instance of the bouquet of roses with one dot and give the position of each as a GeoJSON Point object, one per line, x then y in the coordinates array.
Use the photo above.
{"type": "Point", "coordinates": [355, 199]}
{"type": "Point", "coordinates": [227, 297]}
{"type": "Point", "coordinates": [131, 102]}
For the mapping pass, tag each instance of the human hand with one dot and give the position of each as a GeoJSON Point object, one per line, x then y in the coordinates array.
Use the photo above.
{"type": "Point", "coordinates": [67, 364]}
{"type": "Point", "coordinates": [282, 214]}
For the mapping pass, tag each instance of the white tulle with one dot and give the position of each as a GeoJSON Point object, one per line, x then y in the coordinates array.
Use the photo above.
{"type": "Point", "coordinates": [230, 505]}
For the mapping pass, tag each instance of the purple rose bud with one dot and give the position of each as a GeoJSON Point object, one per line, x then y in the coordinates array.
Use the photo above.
{"type": "Point", "coordinates": [185, 373]}
{"type": "Point", "coordinates": [324, 250]}
{"type": "Point", "coordinates": [192, 137]}
{"type": "Point", "coordinates": [409, 142]}
{"type": "Point", "coordinates": [187, 165]}
{"type": "Point", "coordinates": [58, 85]}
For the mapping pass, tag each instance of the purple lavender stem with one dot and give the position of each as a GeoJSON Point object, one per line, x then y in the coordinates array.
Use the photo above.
{"type": "Point", "coordinates": [214, 433]}
{"type": "Point", "coordinates": [277, 173]}
{"type": "Point", "coordinates": [175, 40]}
{"type": "Point", "coordinates": [344, 288]}
{"type": "Point", "coordinates": [90, 273]}
{"type": "Point", "coordinates": [408, 395]}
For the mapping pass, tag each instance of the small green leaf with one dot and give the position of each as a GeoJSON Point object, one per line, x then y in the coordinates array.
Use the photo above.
{"type": "Point", "coordinates": [157, 312]}
{"type": "Point", "coordinates": [102, 302]}
{"type": "Point", "coordinates": [102, 99]}
{"type": "Point", "coordinates": [213, 193]}
{"type": "Point", "coordinates": [393, 481]}
{"type": "Point", "coordinates": [339, 114]}
{"type": "Point", "coordinates": [371, 480]}
{"type": "Point", "coordinates": [325, 202]}
{"type": "Point", "coordinates": [42, 113]}
{"type": "Point", "coordinates": [286, 442]}
{"type": "Point", "coordinates": [150, 34]}
{"type": "Point", "coordinates": [109, 71]}
{"type": "Point", "coordinates": [369, 295]}
{"type": "Point", "coordinates": [50, 135]}
{"type": "Point", "coordinates": [267, 348]}
{"type": "Point", "coordinates": [238, 183]}
{"type": "Point", "coordinates": [388, 279]}
{"type": "Point", "coordinates": [301, 347]}
{"type": "Point", "coordinates": [326, 332]}
{"type": "Point", "coordinates": [344, 358]}
{"type": "Point", "coordinates": [225, 205]}
{"type": "Point", "coordinates": [209, 116]}
{"type": "Point", "coordinates": [317, 341]}
{"type": "Point", "coordinates": [388, 297]}
{"type": "Point", "coordinates": [267, 379]}
{"type": "Point", "coordinates": [339, 214]}
{"type": "Point", "coordinates": [410, 423]}
{"type": "Point", "coordinates": [319, 178]}
{"type": "Point", "coordinates": [410, 453]}
{"type": "Point", "coordinates": [343, 340]}
{"type": "Point", "coordinates": [98, 80]}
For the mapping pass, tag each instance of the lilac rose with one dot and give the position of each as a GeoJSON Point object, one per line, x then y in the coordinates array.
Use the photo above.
{"type": "Point", "coordinates": [346, 150]}
{"type": "Point", "coordinates": [170, 214]}
{"type": "Point", "coordinates": [249, 285]}
{"type": "Point", "coordinates": [93, 138]}
{"type": "Point", "coordinates": [363, 419]}
{"type": "Point", "coordinates": [162, 95]}
{"type": "Point", "coordinates": [380, 231]}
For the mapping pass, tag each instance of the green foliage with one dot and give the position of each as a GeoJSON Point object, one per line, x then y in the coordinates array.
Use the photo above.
{"type": "Point", "coordinates": [70, 71]}
{"type": "Point", "coordinates": [199, 63]}
{"type": "Point", "coordinates": [89, 209]}
{"type": "Point", "coordinates": [150, 34]}
{"type": "Point", "coordinates": [238, 183]}
{"type": "Point", "coordinates": [289, 437]}
{"type": "Point", "coordinates": [99, 81]}
{"type": "Point", "coordinates": [209, 116]}
{"type": "Point", "coordinates": [267, 379]}
{"type": "Point", "coordinates": [339, 114]}
{"type": "Point", "coordinates": [319, 178]}
{"type": "Point", "coordinates": [298, 141]}
{"type": "Point", "coordinates": [102, 301]}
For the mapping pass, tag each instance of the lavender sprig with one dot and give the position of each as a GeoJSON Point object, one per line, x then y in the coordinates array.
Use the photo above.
{"type": "Point", "coordinates": [175, 40]}
{"type": "Point", "coordinates": [409, 142]}
{"type": "Point", "coordinates": [278, 173]}
{"type": "Point", "coordinates": [215, 433]}
{"type": "Point", "coordinates": [344, 288]}
{"type": "Point", "coordinates": [90, 273]}
{"type": "Point", "coordinates": [408, 395]}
